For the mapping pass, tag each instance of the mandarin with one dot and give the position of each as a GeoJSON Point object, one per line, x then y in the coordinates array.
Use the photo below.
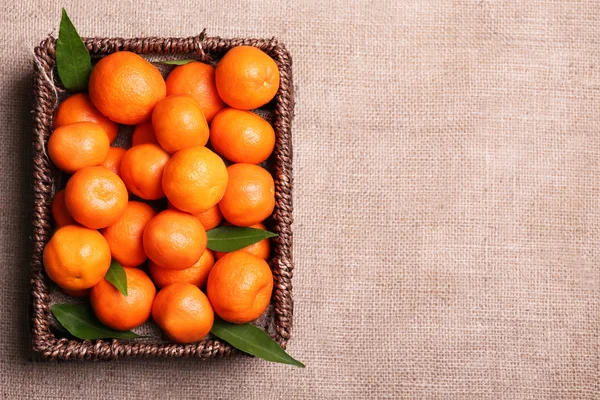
{"type": "Point", "coordinates": [121, 312]}
{"type": "Point", "coordinates": [142, 170]}
{"type": "Point", "coordinates": [247, 78]}
{"type": "Point", "coordinates": [81, 144]}
{"type": "Point", "coordinates": [59, 211]}
{"type": "Point", "coordinates": [113, 159]}
{"type": "Point", "coordinates": [96, 197]}
{"type": "Point", "coordinates": [143, 133]}
{"type": "Point", "coordinates": [197, 274]}
{"type": "Point", "coordinates": [125, 87]}
{"type": "Point", "coordinates": [174, 239]}
{"type": "Point", "coordinates": [250, 195]}
{"type": "Point", "coordinates": [196, 80]}
{"type": "Point", "coordinates": [179, 123]}
{"type": "Point", "coordinates": [239, 287]}
{"type": "Point", "coordinates": [209, 219]}
{"type": "Point", "coordinates": [242, 136]}
{"type": "Point", "coordinates": [76, 257]}
{"type": "Point", "coordinates": [183, 312]}
{"type": "Point", "coordinates": [79, 108]}
{"type": "Point", "coordinates": [194, 179]}
{"type": "Point", "coordinates": [125, 237]}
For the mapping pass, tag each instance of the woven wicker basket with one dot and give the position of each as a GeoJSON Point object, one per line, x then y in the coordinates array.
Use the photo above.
{"type": "Point", "coordinates": [47, 91]}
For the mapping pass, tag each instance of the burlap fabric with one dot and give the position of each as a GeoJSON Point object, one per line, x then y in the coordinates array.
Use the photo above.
{"type": "Point", "coordinates": [447, 200]}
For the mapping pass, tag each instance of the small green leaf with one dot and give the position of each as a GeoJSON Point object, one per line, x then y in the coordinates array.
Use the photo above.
{"type": "Point", "coordinates": [252, 340]}
{"type": "Point", "coordinates": [117, 277]}
{"type": "Point", "coordinates": [72, 57]}
{"type": "Point", "coordinates": [177, 62]}
{"type": "Point", "coordinates": [81, 322]}
{"type": "Point", "coordinates": [232, 238]}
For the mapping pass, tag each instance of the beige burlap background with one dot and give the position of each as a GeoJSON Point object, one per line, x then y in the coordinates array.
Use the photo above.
{"type": "Point", "coordinates": [447, 171]}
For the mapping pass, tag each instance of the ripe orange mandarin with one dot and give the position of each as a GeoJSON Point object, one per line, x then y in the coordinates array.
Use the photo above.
{"type": "Point", "coordinates": [76, 258]}
{"type": "Point", "coordinates": [96, 197]}
{"type": "Point", "coordinates": [260, 249]}
{"type": "Point", "coordinates": [113, 159]}
{"type": "Point", "coordinates": [125, 87]}
{"type": "Point", "coordinates": [179, 123]}
{"type": "Point", "coordinates": [197, 274]}
{"type": "Point", "coordinates": [209, 219]}
{"type": "Point", "coordinates": [79, 108]}
{"type": "Point", "coordinates": [196, 80]}
{"type": "Point", "coordinates": [247, 78]}
{"type": "Point", "coordinates": [82, 144]}
{"type": "Point", "coordinates": [239, 287]}
{"type": "Point", "coordinates": [183, 312]}
{"type": "Point", "coordinates": [59, 211]}
{"type": "Point", "coordinates": [121, 312]}
{"type": "Point", "coordinates": [250, 195]}
{"type": "Point", "coordinates": [242, 136]}
{"type": "Point", "coordinates": [143, 133]}
{"type": "Point", "coordinates": [174, 239]}
{"type": "Point", "coordinates": [125, 237]}
{"type": "Point", "coordinates": [195, 179]}
{"type": "Point", "coordinates": [142, 170]}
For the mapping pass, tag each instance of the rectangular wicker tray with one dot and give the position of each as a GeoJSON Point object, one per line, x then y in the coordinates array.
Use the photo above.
{"type": "Point", "coordinates": [47, 340]}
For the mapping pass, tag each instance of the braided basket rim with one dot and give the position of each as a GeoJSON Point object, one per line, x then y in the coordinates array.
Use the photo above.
{"type": "Point", "coordinates": [45, 343]}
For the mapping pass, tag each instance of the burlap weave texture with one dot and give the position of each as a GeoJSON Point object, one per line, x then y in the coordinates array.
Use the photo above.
{"type": "Point", "coordinates": [447, 189]}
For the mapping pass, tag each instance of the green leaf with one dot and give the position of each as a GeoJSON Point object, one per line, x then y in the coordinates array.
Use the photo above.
{"type": "Point", "coordinates": [177, 62]}
{"type": "Point", "coordinates": [232, 238]}
{"type": "Point", "coordinates": [252, 340]}
{"type": "Point", "coordinates": [117, 277]}
{"type": "Point", "coordinates": [81, 322]}
{"type": "Point", "coordinates": [72, 57]}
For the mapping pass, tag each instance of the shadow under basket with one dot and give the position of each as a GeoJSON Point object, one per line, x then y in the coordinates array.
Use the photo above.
{"type": "Point", "coordinates": [48, 340]}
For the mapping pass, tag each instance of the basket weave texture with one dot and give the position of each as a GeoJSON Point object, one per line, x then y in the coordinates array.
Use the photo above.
{"type": "Point", "coordinates": [47, 90]}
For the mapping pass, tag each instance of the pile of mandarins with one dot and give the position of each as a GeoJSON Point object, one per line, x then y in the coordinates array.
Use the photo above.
{"type": "Point", "coordinates": [98, 222]}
